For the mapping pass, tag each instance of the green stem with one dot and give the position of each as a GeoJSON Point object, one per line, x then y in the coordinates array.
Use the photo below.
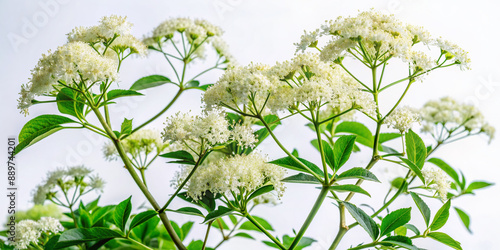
{"type": "Point", "coordinates": [157, 115]}
{"type": "Point", "coordinates": [206, 236]}
{"type": "Point", "coordinates": [310, 217]}
{"type": "Point", "coordinates": [321, 151]}
{"type": "Point", "coordinates": [262, 229]}
{"type": "Point", "coordinates": [137, 180]}
{"type": "Point", "coordinates": [365, 246]}
{"type": "Point", "coordinates": [139, 243]}
{"type": "Point", "coordinates": [286, 151]}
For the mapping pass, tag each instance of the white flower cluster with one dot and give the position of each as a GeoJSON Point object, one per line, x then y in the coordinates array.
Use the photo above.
{"type": "Point", "coordinates": [29, 231]}
{"type": "Point", "coordinates": [380, 36]}
{"type": "Point", "coordinates": [437, 179]}
{"type": "Point", "coordinates": [241, 174]}
{"type": "Point", "coordinates": [109, 28]}
{"type": "Point", "coordinates": [402, 119]}
{"type": "Point", "coordinates": [452, 115]}
{"type": "Point", "coordinates": [66, 179]}
{"type": "Point", "coordinates": [204, 131]}
{"type": "Point", "coordinates": [72, 62]}
{"type": "Point", "coordinates": [142, 142]}
{"type": "Point", "coordinates": [303, 80]}
{"type": "Point", "coordinates": [196, 31]}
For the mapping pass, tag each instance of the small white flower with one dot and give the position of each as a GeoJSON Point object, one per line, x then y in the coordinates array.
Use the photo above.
{"type": "Point", "coordinates": [437, 179]}
{"type": "Point", "coordinates": [402, 119]}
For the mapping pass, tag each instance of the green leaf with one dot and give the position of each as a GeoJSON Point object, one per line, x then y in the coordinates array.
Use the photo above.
{"type": "Point", "coordinates": [126, 127]}
{"type": "Point", "coordinates": [205, 86]}
{"type": "Point", "coordinates": [342, 150]}
{"type": "Point", "coordinates": [303, 243]}
{"type": "Point", "coordinates": [301, 178]}
{"type": "Point", "coordinates": [260, 191]}
{"type": "Point", "coordinates": [288, 162]}
{"type": "Point", "coordinates": [84, 218]}
{"type": "Point", "coordinates": [414, 168]}
{"type": "Point", "coordinates": [244, 235]}
{"type": "Point", "coordinates": [477, 185]}
{"type": "Point", "coordinates": [441, 216]}
{"type": "Point", "coordinates": [422, 206]}
{"type": "Point", "coordinates": [182, 156]}
{"type": "Point", "coordinates": [415, 149]}
{"type": "Point", "coordinates": [220, 222]}
{"type": "Point", "coordinates": [68, 102]}
{"type": "Point", "coordinates": [122, 213]}
{"type": "Point", "coordinates": [446, 168]}
{"type": "Point", "coordinates": [400, 241]}
{"type": "Point", "coordinates": [364, 135]}
{"type": "Point", "coordinates": [385, 137]}
{"type": "Point", "coordinates": [77, 236]}
{"type": "Point", "coordinates": [357, 173]}
{"type": "Point", "coordinates": [394, 220]}
{"type": "Point", "coordinates": [188, 210]}
{"type": "Point", "coordinates": [363, 219]}
{"type": "Point", "coordinates": [349, 188]}
{"type": "Point", "coordinates": [329, 155]}
{"type": "Point", "coordinates": [192, 84]}
{"type": "Point", "coordinates": [38, 128]}
{"type": "Point", "coordinates": [142, 217]}
{"type": "Point", "coordinates": [220, 212]}
{"type": "Point", "coordinates": [464, 217]}
{"type": "Point", "coordinates": [186, 228]}
{"type": "Point", "coordinates": [195, 245]}
{"type": "Point", "coordinates": [117, 93]}
{"type": "Point", "coordinates": [100, 213]}
{"type": "Point", "coordinates": [445, 239]}
{"type": "Point", "coordinates": [150, 82]}
{"type": "Point", "coordinates": [413, 228]}
{"type": "Point", "coordinates": [247, 225]}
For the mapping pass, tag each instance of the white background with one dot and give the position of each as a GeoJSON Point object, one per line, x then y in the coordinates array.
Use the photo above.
{"type": "Point", "coordinates": [259, 31]}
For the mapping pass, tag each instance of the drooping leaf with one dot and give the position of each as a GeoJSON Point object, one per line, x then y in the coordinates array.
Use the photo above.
{"type": "Point", "coordinates": [260, 191]}
{"type": "Point", "coordinates": [149, 82]}
{"type": "Point", "coordinates": [363, 219]}
{"type": "Point", "coordinates": [394, 220]}
{"type": "Point", "coordinates": [422, 206]}
{"type": "Point", "coordinates": [188, 211]}
{"type": "Point", "coordinates": [142, 217]}
{"type": "Point", "coordinates": [441, 216]}
{"type": "Point", "coordinates": [414, 168]}
{"type": "Point", "coordinates": [182, 156]}
{"type": "Point", "coordinates": [349, 188]}
{"type": "Point", "coordinates": [464, 217]}
{"type": "Point", "coordinates": [301, 178]}
{"type": "Point", "coordinates": [77, 236]}
{"type": "Point", "coordinates": [220, 212]}
{"type": "Point", "coordinates": [342, 150]}
{"type": "Point", "coordinates": [412, 228]}
{"type": "Point", "coordinates": [122, 213]}
{"type": "Point", "coordinates": [446, 168]}
{"type": "Point", "coordinates": [247, 225]}
{"type": "Point", "coordinates": [364, 135]}
{"type": "Point", "coordinates": [288, 162]}
{"type": "Point", "coordinates": [415, 149]}
{"type": "Point", "coordinates": [38, 128]}
{"type": "Point", "coordinates": [445, 239]}
{"type": "Point", "coordinates": [117, 93]}
{"type": "Point", "coordinates": [357, 173]}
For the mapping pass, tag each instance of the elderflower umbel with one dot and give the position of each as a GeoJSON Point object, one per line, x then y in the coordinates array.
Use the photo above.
{"type": "Point", "coordinates": [204, 131]}
{"type": "Point", "coordinates": [29, 231]}
{"type": "Point", "coordinates": [142, 142]}
{"type": "Point", "coordinates": [241, 174]}
{"type": "Point", "coordinates": [452, 115]}
{"type": "Point", "coordinates": [72, 62]}
{"type": "Point", "coordinates": [113, 31]}
{"type": "Point", "coordinates": [66, 179]}
{"type": "Point", "coordinates": [402, 119]}
{"type": "Point", "coordinates": [380, 37]}
{"type": "Point", "coordinates": [437, 179]}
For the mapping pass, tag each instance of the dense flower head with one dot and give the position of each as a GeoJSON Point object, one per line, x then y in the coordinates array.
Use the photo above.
{"type": "Point", "coordinates": [238, 173]}
{"type": "Point", "coordinates": [201, 132]}
{"type": "Point", "coordinates": [402, 119]}
{"type": "Point", "coordinates": [113, 31]}
{"type": "Point", "coordinates": [65, 179]}
{"type": "Point", "coordinates": [452, 114]}
{"type": "Point", "coordinates": [72, 62]}
{"type": "Point", "coordinates": [142, 142]}
{"type": "Point", "coordinates": [437, 179]}
{"type": "Point", "coordinates": [29, 231]}
{"type": "Point", "coordinates": [380, 36]}
{"type": "Point", "coordinates": [303, 80]}
{"type": "Point", "coordinates": [198, 32]}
